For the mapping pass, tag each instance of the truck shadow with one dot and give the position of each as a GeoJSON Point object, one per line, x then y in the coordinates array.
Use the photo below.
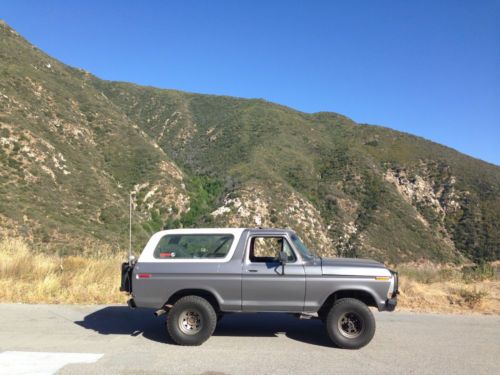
{"type": "Point", "coordinates": [121, 320]}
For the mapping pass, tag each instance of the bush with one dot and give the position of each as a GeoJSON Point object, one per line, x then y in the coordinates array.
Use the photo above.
{"type": "Point", "coordinates": [203, 194]}
{"type": "Point", "coordinates": [472, 298]}
{"type": "Point", "coordinates": [430, 275]}
{"type": "Point", "coordinates": [478, 272]}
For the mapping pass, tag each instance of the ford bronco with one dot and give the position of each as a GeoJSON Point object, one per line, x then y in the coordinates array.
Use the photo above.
{"type": "Point", "coordinates": [198, 275]}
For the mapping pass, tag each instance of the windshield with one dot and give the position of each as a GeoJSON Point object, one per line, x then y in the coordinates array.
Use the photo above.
{"type": "Point", "coordinates": [304, 251]}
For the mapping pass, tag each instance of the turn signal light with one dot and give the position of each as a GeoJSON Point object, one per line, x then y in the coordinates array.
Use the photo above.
{"type": "Point", "coordinates": [383, 278]}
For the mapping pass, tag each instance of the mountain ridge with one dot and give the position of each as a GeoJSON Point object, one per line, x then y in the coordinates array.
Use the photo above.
{"type": "Point", "coordinates": [4, 24]}
{"type": "Point", "coordinates": [214, 160]}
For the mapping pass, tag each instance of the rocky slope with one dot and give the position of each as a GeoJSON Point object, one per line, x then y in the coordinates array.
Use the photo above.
{"type": "Point", "coordinates": [73, 146]}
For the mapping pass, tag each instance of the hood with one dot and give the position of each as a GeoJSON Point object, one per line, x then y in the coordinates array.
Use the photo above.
{"type": "Point", "coordinates": [353, 267]}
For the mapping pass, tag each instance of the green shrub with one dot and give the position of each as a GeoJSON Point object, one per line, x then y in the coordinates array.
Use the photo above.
{"type": "Point", "coordinates": [204, 192]}
{"type": "Point", "coordinates": [478, 272]}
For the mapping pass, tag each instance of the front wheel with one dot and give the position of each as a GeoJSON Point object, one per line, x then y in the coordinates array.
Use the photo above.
{"type": "Point", "coordinates": [191, 321]}
{"type": "Point", "coordinates": [350, 324]}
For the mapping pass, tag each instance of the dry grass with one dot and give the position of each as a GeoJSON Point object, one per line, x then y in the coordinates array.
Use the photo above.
{"type": "Point", "coordinates": [32, 277]}
{"type": "Point", "coordinates": [448, 289]}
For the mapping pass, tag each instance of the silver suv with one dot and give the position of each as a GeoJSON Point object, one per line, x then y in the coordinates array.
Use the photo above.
{"type": "Point", "coordinates": [198, 275]}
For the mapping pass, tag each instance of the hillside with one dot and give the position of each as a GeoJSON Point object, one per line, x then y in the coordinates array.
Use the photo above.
{"type": "Point", "coordinates": [72, 146]}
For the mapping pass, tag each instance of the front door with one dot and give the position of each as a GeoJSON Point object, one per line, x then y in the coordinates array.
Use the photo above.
{"type": "Point", "coordinates": [267, 285]}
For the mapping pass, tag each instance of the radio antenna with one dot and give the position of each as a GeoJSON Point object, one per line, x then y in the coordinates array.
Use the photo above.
{"type": "Point", "coordinates": [130, 229]}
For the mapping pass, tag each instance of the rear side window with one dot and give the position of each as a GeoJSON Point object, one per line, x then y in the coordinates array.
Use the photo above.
{"type": "Point", "coordinates": [193, 246]}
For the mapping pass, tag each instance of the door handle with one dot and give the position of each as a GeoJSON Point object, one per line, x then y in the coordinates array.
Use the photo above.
{"type": "Point", "coordinates": [252, 271]}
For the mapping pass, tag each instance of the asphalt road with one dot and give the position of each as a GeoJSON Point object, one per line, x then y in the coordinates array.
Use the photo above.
{"type": "Point", "coordinates": [115, 339]}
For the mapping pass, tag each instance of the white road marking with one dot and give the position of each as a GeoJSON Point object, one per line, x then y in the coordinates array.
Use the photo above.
{"type": "Point", "coordinates": [41, 363]}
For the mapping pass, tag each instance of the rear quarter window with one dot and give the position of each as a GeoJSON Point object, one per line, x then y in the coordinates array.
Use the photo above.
{"type": "Point", "coordinates": [193, 246]}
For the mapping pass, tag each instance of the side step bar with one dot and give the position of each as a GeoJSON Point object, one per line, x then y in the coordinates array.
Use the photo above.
{"type": "Point", "coordinates": [306, 315]}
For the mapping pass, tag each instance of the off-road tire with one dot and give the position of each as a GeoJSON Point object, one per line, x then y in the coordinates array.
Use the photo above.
{"type": "Point", "coordinates": [350, 324]}
{"type": "Point", "coordinates": [196, 309]}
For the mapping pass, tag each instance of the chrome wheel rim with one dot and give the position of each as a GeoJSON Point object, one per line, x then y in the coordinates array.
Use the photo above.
{"type": "Point", "coordinates": [190, 322]}
{"type": "Point", "coordinates": [350, 325]}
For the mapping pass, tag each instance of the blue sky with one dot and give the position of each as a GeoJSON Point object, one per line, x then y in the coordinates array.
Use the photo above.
{"type": "Point", "coordinates": [430, 68]}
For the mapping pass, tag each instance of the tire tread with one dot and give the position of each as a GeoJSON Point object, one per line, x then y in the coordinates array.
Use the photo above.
{"type": "Point", "coordinates": [331, 326]}
{"type": "Point", "coordinates": [198, 339]}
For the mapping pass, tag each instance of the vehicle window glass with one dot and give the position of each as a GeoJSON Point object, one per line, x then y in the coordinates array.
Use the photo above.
{"type": "Point", "coordinates": [193, 246]}
{"type": "Point", "coordinates": [304, 251]}
{"type": "Point", "coordinates": [267, 249]}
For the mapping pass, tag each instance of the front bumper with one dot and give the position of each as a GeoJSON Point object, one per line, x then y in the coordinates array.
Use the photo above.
{"type": "Point", "coordinates": [391, 303]}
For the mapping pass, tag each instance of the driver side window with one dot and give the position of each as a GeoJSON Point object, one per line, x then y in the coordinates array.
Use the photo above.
{"type": "Point", "coordinates": [267, 249]}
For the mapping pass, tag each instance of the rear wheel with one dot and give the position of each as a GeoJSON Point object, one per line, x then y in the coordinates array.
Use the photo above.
{"type": "Point", "coordinates": [191, 321]}
{"type": "Point", "coordinates": [350, 324]}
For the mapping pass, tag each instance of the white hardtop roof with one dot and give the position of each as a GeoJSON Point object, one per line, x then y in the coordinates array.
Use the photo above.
{"type": "Point", "coordinates": [235, 231]}
{"type": "Point", "coordinates": [201, 230]}
{"type": "Point", "coordinates": [147, 252]}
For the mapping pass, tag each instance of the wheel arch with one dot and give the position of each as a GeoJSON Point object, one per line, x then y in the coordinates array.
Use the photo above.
{"type": "Point", "coordinates": [362, 295]}
{"type": "Point", "coordinates": [210, 296]}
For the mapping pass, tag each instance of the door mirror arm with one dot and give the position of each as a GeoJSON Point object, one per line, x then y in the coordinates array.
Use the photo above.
{"type": "Point", "coordinates": [283, 258]}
